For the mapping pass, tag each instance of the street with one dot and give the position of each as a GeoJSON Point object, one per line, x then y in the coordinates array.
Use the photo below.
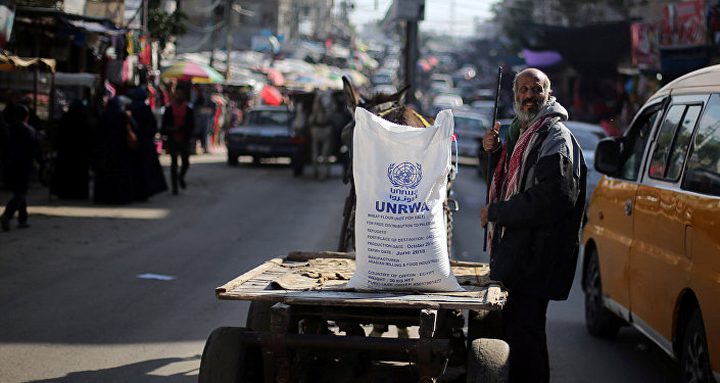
{"type": "Point", "coordinates": [74, 308]}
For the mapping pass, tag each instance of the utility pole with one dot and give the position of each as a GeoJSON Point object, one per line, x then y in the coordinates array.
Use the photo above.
{"type": "Point", "coordinates": [410, 12]}
{"type": "Point", "coordinates": [228, 36]}
{"type": "Point", "coordinates": [411, 57]}
{"type": "Point", "coordinates": [216, 14]}
{"type": "Point", "coordinates": [145, 14]}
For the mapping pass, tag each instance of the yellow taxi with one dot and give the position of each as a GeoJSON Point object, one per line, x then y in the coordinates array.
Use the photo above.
{"type": "Point", "coordinates": [651, 254]}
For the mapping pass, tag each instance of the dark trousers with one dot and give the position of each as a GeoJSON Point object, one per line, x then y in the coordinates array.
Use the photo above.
{"type": "Point", "coordinates": [524, 319]}
{"type": "Point", "coordinates": [18, 203]}
{"type": "Point", "coordinates": [183, 151]}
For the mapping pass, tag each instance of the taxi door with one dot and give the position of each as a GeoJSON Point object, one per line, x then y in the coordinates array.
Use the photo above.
{"type": "Point", "coordinates": [658, 264]}
{"type": "Point", "coordinates": [610, 221]}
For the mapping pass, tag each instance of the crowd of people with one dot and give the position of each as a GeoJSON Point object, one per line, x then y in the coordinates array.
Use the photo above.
{"type": "Point", "coordinates": [109, 154]}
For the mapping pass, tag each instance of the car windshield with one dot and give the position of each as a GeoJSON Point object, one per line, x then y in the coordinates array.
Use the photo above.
{"type": "Point", "coordinates": [269, 117]}
{"type": "Point", "coordinates": [468, 124]}
{"type": "Point", "coordinates": [587, 140]}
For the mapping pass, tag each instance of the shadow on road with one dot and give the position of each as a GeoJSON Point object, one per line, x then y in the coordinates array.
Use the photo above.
{"type": "Point", "coordinates": [135, 372]}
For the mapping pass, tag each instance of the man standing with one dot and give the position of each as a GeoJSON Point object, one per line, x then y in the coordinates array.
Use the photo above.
{"type": "Point", "coordinates": [23, 149]}
{"type": "Point", "coordinates": [537, 199]}
{"type": "Point", "coordinates": [178, 124]}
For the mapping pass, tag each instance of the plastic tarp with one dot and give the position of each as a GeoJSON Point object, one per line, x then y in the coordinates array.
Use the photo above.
{"type": "Point", "coordinates": [541, 59]}
{"type": "Point", "coordinates": [13, 63]}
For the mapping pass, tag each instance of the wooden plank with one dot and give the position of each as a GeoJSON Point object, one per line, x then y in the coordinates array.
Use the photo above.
{"type": "Point", "coordinates": [261, 283]}
{"type": "Point", "coordinates": [248, 276]}
{"type": "Point", "coordinates": [303, 256]}
{"type": "Point", "coordinates": [471, 300]}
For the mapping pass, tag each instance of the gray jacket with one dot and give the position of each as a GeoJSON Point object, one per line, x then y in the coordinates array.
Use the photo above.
{"type": "Point", "coordinates": [537, 231]}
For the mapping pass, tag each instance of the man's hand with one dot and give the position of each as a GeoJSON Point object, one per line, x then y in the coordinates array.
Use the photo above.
{"type": "Point", "coordinates": [492, 138]}
{"type": "Point", "coordinates": [484, 215]}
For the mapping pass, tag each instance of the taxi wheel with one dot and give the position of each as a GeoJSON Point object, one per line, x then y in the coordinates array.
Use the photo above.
{"type": "Point", "coordinates": [599, 321]}
{"type": "Point", "coordinates": [694, 360]}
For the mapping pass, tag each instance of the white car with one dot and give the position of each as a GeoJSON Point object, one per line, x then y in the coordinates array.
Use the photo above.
{"type": "Point", "coordinates": [588, 136]}
{"type": "Point", "coordinates": [470, 128]}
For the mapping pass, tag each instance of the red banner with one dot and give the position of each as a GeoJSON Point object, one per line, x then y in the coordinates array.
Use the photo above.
{"type": "Point", "coordinates": [683, 24]}
{"type": "Point", "coordinates": [644, 40]}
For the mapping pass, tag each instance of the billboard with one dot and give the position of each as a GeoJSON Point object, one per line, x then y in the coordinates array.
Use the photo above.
{"type": "Point", "coordinates": [683, 24]}
{"type": "Point", "coordinates": [644, 41]}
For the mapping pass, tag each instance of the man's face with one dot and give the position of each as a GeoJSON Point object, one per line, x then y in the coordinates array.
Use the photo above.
{"type": "Point", "coordinates": [530, 96]}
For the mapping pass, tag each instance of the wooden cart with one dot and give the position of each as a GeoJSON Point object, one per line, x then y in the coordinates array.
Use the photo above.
{"type": "Point", "coordinates": [303, 325]}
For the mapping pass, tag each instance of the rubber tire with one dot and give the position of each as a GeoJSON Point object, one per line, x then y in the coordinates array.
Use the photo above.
{"type": "Point", "coordinates": [694, 355]}
{"type": "Point", "coordinates": [484, 324]}
{"type": "Point", "coordinates": [298, 165]}
{"type": "Point", "coordinates": [232, 159]}
{"type": "Point", "coordinates": [226, 360]}
{"type": "Point", "coordinates": [258, 317]}
{"type": "Point", "coordinates": [599, 321]}
{"type": "Point", "coordinates": [488, 361]}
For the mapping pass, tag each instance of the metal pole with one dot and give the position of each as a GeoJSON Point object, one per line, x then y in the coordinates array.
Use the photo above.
{"type": "Point", "coordinates": [488, 175]}
{"type": "Point", "coordinates": [145, 13]}
{"type": "Point", "coordinates": [411, 29]}
{"type": "Point", "coordinates": [228, 37]}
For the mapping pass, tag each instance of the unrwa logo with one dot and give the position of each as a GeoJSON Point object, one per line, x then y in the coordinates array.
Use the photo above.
{"type": "Point", "coordinates": [405, 174]}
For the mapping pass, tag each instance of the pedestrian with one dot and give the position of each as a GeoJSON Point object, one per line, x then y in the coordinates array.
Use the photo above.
{"type": "Point", "coordinates": [537, 199]}
{"type": "Point", "coordinates": [321, 133]}
{"type": "Point", "coordinates": [23, 150]}
{"type": "Point", "coordinates": [148, 177]}
{"type": "Point", "coordinates": [178, 124]}
{"type": "Point", "coordinates": [113, 182]}
{"type": "Point", "coordinates": [70, 179]}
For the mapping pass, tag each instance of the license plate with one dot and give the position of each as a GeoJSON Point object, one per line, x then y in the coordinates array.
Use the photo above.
{"type": "Point", "coordinates": [259, 148]}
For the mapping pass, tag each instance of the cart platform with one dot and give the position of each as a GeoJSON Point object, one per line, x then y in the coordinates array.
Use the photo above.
{"type": "Point", "coordinates": [311, 278]}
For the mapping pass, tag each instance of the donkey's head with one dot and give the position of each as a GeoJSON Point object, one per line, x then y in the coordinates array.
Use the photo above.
{"type": "Point", "coordinates": [388, 106]}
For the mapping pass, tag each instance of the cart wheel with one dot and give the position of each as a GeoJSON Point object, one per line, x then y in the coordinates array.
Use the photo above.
{"type": "Point", "coordinates": [484, 324]}
{"type": "Point", "coordinates": [488, 361]}
{"type": "Point", "coordinates": [258, 317]}
{"type": "Point", "coordinates": [226, 360]}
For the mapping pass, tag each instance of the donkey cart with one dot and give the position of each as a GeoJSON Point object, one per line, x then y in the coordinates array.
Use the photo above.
{"type": "Point", "coordinates": [304, 326]}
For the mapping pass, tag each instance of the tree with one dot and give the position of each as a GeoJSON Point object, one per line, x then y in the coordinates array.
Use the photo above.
{"type": "Point", "coordinates": [518, 17]}
{"type": "Point", "coordinates": [165, 26]}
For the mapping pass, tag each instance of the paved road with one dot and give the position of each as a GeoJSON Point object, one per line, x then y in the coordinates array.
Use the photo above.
{"type": "Point", "coordinates": [73, 310]}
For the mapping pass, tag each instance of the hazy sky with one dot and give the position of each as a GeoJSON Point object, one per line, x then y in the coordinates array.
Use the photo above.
{"type": "Point", "coordinates": [439, 14]}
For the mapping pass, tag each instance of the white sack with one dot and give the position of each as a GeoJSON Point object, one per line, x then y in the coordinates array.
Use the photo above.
{"type": "Point", "coordinates": [401, 183]}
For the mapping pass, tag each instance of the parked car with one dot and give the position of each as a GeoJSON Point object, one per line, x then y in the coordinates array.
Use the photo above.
{"type": "Point", "coordinates": [384, 77]}
{"type": "Point", "coordinates": [445, 101]}
{"type": "Point", "coordinates": [588, 136]}
{"type": "Point", "coordinates": [651, 241]}
{"type": "Point", "coordinates": [384, 89]}
{"type": "Point", "coordinates": [470, 128]}
{"type": "Point", "coordinates": [267, 132]}
{"type": "Point", "coordinates": [440, 82]}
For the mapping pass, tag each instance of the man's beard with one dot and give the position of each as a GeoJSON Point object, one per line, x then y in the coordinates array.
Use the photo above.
{"type": "Point", "coordinates": [524, 116]}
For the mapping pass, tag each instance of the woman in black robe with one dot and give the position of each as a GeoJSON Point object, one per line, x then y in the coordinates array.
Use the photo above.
{"type": "Point", "coordinates": [147, 173]}
{"type": "Point", "coordinates": [70, 177]}
{"type": "Point", "coordinates": [113, 166]}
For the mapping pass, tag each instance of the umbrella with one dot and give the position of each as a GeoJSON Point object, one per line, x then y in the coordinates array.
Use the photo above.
{"type": "Point", "coordinates": [190, 71]}
{"type": "Point", "coordinates": [271, 95]}
{"type": "Point", "coordinates": [275, 77]}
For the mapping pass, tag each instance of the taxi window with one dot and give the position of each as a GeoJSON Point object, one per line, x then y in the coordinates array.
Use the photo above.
{"type": "Point", "coordinates": [702, 173]}
{"type": "Point", "coordinates": [672, 142]}
{"type": "Point", "coordinates": [635, 140]}
{"type": "Point", "coordinates": [682, 140]}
